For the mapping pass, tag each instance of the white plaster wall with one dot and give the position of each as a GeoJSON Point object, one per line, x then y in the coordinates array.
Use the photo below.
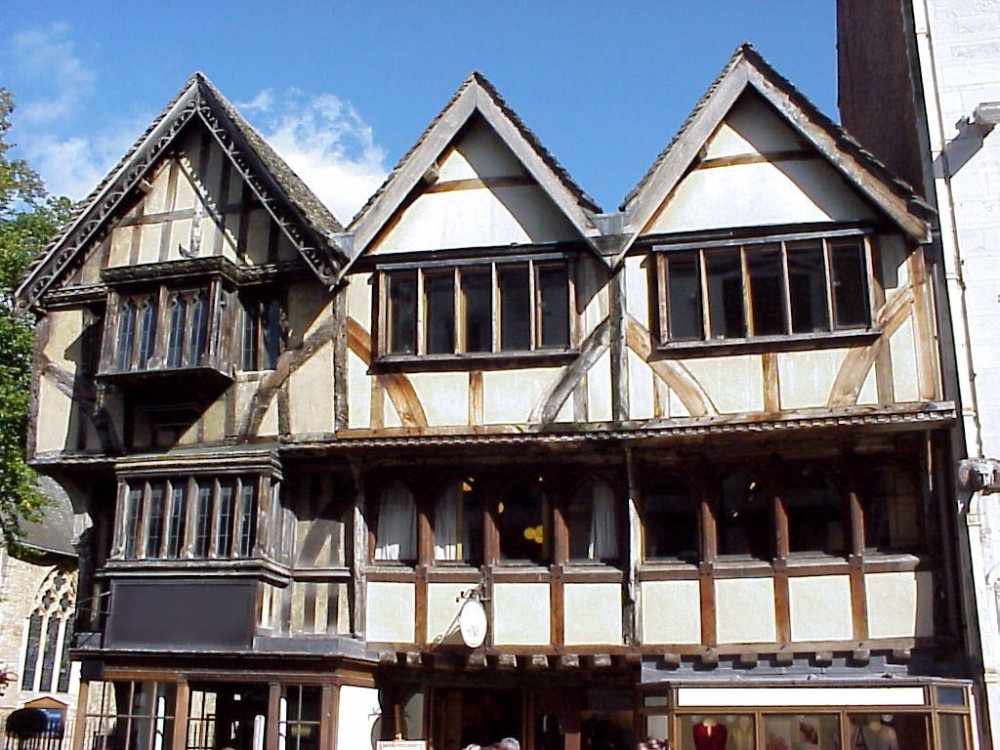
{"type": "Point", "coordinates": [444, 395]}
{"type": "Point", "coordinates": [54, 408]}
{"type": "Point", "coordinates": [671, 612]}
{"type": "Point", "coordinates": [640, 387]}
{"type": "Point", "coordinates": [311, 387]}
{"type": "Point", "coordinates": [637, 289]}
{"type": "Point", "coordinates": [820, 608]}
{"type": "Point", "coordinates": [734, 383]}
{"type": "Point", "coordinates": [443, 605]}
{"type": "Point", "coordinates": [359, 393]}
{"type": "Point", "coordinates": [389, 609]}
{"type": "Point", "coordinates": [356, 715]}
{"type": "Point", "coordinates": [509, 395]}
{"type": "Point", "coordinates": [900, 605]}
{"type": "Point", "coordinates": [521, 614]}
{"type": "Point", "coordinates": [599, 390]}
{"type": "Point", "coordinates": [734, 598]}
{"type": "Point", "coordinates": [592, 614]}
{"type": "Point", "coordinates": [805, 378]}
{"type": "Point", "coordinates": [903, 352]}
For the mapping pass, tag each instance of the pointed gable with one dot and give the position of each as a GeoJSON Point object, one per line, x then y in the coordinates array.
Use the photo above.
{"type": "Point", "coordinates": [476, 177]}
{"type": "Point", "coordinates": [755, 152]}
{"type": "Point", "coordinates": [164, 178]}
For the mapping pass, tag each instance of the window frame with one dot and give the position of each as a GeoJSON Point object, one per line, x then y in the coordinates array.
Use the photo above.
{"type": "Point", "coordinates": [392, 348]}
{"type": "Point", "coordinates": [203, 536]}
{"type": "Point", "coordinates": [746, 249]}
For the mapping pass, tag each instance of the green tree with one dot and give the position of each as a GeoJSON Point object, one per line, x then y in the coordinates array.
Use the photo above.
{"type": "Point", "coordinates": [29, 217]}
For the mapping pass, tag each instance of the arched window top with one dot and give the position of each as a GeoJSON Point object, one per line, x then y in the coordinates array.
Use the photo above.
{"type": "Point", "coordinates": [46, 664]}
{"type": "Point", "coordinates": [57, 594]}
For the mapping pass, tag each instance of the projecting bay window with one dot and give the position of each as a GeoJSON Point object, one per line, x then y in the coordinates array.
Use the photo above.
{"type": "Point", "coordinates": [190, 517]}
{"type": "Point", "coordinates": [477, 308]}
{"type": "Point", "coordinates": [162, 332]}
{"type": "Point", "coordinates": [719, 292]}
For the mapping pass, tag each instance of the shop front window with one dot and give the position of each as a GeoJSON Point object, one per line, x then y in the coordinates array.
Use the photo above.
{"type": "Point", "coordinates": [718, 732]}
{"type": "Point", "coordinates": [802, 732]}
{"type": "Point", "coordinates": [891, 732]}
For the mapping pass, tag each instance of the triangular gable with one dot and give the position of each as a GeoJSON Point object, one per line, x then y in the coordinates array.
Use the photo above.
{"type": "Point", "coordinates": [306, 223]}
{"type": "Point", "coordinates": [475, 101]}
{"type": "Point", "coordinates": [748, 72]}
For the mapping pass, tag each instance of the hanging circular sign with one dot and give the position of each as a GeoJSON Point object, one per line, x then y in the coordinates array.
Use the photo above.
{"type": "Point", "coordinates": [472, 623]}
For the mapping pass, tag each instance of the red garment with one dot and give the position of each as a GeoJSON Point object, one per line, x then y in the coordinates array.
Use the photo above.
{"type": "Point", "coordinates": [709, 737]}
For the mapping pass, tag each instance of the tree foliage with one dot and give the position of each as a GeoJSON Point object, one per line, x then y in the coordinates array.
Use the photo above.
{"type": "Point", "coordinates": [29, 217]}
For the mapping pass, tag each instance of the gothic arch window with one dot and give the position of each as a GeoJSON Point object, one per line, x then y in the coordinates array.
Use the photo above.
{"type": "Point", "coordinates": [46, 666]}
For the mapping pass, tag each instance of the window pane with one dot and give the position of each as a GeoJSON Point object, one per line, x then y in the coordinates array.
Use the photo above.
{"type": "Point", "coordinates": [592, 520]}
{"type": "Point", "coordinates": [725, 294]}
{"type": "Point", "coordinates": [815, 514]}
{"type": "Point", "coordinates": [396, 530]}
{"type": "Point", "coordinates": [204, 520]}
{"type": "Point", "coordinates": [458, 524]}
{"type": "Point", "coordinates": [251, 336]}
{"type": "Point", "coordinates": [198, 337]}
{"type": "Point", "coordinates": [178, 514]}
{"type": "Point", "coordinates": [521, 523]}
{"type": "Point", "coordinates": [154, 537]}
{"type": "Point", "coordinates": [893, 512]}
{"type": "Point", "coordinates": [515, 316]}
{"type": "Point", "coordinates": [133, 516]}
{"type": "Point", "coordinates": [953, 731]}
{"type": "Point", "coordinates": [126, 336]}
{"type": "Point", "coordinates": [271, 334]}
{"type": "Point", "coordinates": [744, 520]}
{"type": "Point", "coordinates": [768, 291]}
{"type": "Point", "coordinates": [684, 297]}
{"type": "Point", "coordinates": [477, 302]}
{"type": "Point", "coordinates": [553, 292]}
{"type": "Point", "coordinates": [717, 731]}
{"type": "Point", "coordinates": [888, 730]}
{"type": "Point", "coordinates": [670, 522]}
{"type": "Point", "coordinates": [248, 518]}
{"type": "Point", "coordinates": [224, 531]}
{"type": "Point", "coordinates": [147, 333]}
{"type": "Point", "coordinates": [850, 285]}
{"type": "Point", "coordinates": [803, 731]}
{"type": "Point", "coordinates": [402, 312]}
{"type": "Point", "coordinates": [178, 322]}
{"type": "Point", "coordinates": [439, 301]}
{"type": "Point", "coordinates": [807, 287]}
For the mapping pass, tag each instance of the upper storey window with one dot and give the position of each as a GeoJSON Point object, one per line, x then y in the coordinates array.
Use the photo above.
{"type": "Point", "coordinates": [720, 292]}
{"type": "Point", "coordinates": [476, 309]}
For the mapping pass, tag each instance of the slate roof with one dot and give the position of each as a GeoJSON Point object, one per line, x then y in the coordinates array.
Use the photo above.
{"type": "Point", "coordinates": [93, 210]}
{"type": "Point", "coordinates": [746, 53]}
{"type": "Point", "coordinates": [54, 532]}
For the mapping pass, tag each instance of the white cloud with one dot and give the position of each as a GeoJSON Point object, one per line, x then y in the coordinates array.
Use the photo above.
{"type": "Point", "coordinates": [325, 141]}
{"type": "Point", "coordinates": [48, 58]}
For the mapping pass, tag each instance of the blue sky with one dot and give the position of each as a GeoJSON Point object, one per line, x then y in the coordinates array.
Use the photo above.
{"type": "Point", "coordinates": [342, 89]}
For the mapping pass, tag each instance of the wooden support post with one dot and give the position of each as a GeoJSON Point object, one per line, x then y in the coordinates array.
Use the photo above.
{"type": "Point", "coordinates": [181, 708]}
{"type": "Point", "coordinates": [80, 725]}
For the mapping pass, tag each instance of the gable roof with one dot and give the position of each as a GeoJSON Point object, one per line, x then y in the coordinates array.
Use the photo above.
{"type": "Point", "coordinates": [475, 95]}
{"type": "Point", "coordinates": [304, 219]}
{"type": "Point", "coordinates": [747, 70]}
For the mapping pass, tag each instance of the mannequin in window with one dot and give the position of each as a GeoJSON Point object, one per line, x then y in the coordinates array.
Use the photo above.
{"type": "Point", "coordinates": [709, 735]}
{"type": "Point", "coordinates": [875, 735]}
{"type": "Point", "coordinates": [742, 733]}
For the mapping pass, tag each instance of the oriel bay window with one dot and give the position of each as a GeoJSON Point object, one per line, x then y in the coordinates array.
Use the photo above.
{"type": "Point", "coordinates": [165, 330]}
{"type": "Point", "coordinates": [516, 305]}
{"type": "Point", "coordinates": [190, 517]}
{"type": "Point", "coordinates": [721, 291]}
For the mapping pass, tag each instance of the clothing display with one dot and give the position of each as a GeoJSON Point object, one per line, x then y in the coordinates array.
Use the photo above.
{"type": "Point", "coordinates": [709, 736]}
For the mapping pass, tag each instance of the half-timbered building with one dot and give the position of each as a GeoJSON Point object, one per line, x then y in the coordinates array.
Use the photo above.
{"type": "Point", "coordinates": [490, 462]}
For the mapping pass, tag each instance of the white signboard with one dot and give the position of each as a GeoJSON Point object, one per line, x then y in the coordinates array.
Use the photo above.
{"type": "Point", "coordinates": [472, 623]}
